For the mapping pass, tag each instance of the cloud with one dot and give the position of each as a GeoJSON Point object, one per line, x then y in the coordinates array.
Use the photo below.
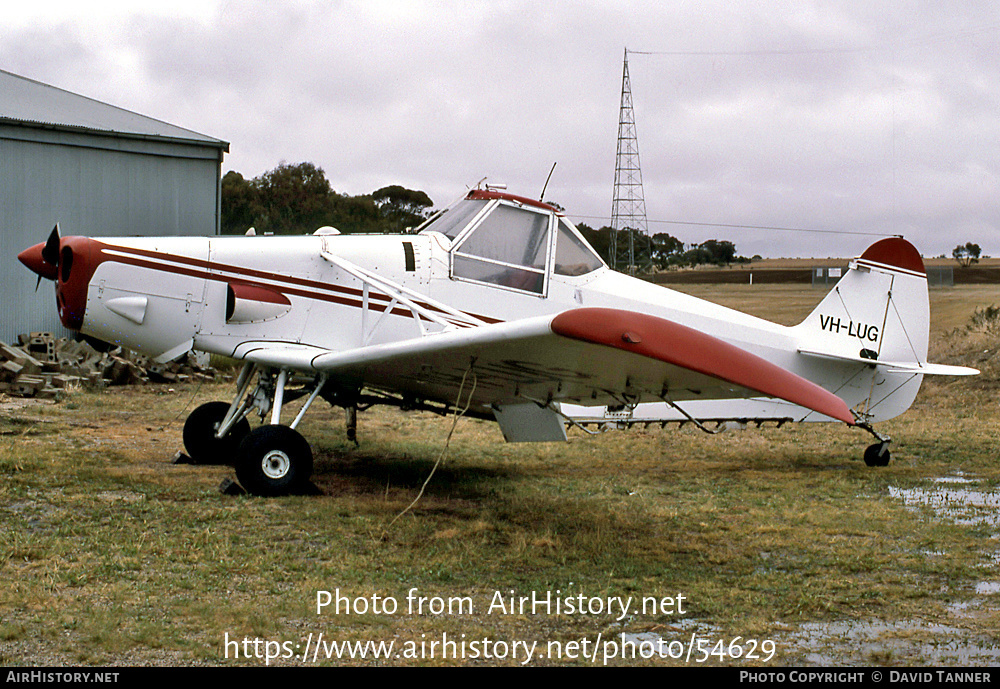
{"type": "Point", "coordinates": [842, 115]}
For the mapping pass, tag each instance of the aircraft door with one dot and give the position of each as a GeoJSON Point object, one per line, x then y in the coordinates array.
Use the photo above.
{"type": "Point", "coordinates": [509, 248]}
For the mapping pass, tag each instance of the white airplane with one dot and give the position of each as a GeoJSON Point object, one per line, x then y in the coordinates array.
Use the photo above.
{"type": "Point", "coordinates": [498, 302]}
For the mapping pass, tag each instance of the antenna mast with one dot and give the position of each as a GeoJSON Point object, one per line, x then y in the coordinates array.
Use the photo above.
{"type": "Point", "coordinates": [628, 207]}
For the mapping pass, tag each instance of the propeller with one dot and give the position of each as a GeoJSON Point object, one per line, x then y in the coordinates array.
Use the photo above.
{"type": "Point", "coordinates": [70, 262]}
{"type": "Point", "coordinates": [43, 259]}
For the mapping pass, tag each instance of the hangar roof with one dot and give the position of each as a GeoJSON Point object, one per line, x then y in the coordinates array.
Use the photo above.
{"type": "Point", "coordinates": [32, 103]}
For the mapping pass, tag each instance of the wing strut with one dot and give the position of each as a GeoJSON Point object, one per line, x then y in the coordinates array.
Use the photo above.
{"type": "Point", "coordinates": [425, 309]}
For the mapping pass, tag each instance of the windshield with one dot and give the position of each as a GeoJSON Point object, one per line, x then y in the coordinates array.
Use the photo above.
{"type": "Point", "coordinates": [509, 242]}
{"type": "Point", "coordinates": [510, 235]}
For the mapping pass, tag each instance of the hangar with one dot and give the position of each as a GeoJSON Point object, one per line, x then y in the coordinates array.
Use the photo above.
{"type": "Point", "coordinates": [97, 170]}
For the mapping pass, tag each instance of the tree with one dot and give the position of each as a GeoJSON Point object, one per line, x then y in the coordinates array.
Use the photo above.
{"type": "Point", "coordinates": [356, 214]}
{"type": "Point", "coordinates": [967, 255]}
{"type": "Point", "coordinates": [239, 204]}
{"type": "Point", "coordinates": [719, 251]}
{"type": "Point", "coordinates": [294, 198]}
{"type": "Point", "coordinates": [297, 199]}
{"type": "Point", "coordinates": [600, 240]}
{"type": "Point", "coordinates": [666, 249]}
{"type": "Point", "coordinates": [401, 208]}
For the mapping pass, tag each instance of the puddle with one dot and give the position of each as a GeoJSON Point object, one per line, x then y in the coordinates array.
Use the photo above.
{"type": "Point", "coordinates": [856, 643]}
{"type": "Point", "coordinates": [876, 641]}
{"type": "Point", "coordinates": [959, 478]}
{"type": "Point", "coordinates": [957, 499]}
{"type": "Point", "coordinates": [915, 642]}
{"type": "Point", "coordinates": [950, 498]}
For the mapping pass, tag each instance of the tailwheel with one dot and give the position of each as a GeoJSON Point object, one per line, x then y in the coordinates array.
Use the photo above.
{"type": "Point", "coordinates": [199, 435]}
{"type": "Point", "coordinates": [877, 455]}
{"type": "Point", "coordinates": [274, 460]}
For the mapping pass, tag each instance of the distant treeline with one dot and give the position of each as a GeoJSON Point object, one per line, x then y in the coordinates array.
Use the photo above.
{"type": "Point", "coordinates": [661, 250]}
{"type": "Point", "coordinates": [297, 199]}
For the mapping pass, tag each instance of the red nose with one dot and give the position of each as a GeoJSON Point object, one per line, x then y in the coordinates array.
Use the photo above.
{"type": "Point", "coordinates": [78, 259]}
{"type": "Point", "coordinates": [32, 257]}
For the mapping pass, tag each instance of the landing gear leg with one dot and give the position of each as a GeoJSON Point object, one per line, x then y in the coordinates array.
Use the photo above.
{"type": "Point", "coordinates": [213, 432]}
{"type": "Point", "coordinates": [275, 459]}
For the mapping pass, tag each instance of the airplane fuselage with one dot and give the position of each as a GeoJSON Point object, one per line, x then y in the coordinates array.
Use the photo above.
{"type": "Point", "coordinates": [186, 282]}
{"type": "Point", "coordinates": [230, 295]}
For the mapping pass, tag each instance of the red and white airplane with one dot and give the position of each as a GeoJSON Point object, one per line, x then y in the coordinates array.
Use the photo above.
{"type": "Point", "coordinates": [499, 301]}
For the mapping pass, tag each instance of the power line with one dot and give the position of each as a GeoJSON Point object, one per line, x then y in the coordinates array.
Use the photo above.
{"type": "Point", "coordinates": [899, 45]}
{"type": "Point", "coordinates": [730, 53]}
{"type": "Point", "coordinates": [751, 227]}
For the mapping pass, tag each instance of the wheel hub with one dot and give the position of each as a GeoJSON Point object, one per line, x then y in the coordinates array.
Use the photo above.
{"type": "Point", "coordinates": [275, 464]}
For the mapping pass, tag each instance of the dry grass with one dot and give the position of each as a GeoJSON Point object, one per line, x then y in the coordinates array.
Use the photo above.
{"type": "Point", "coordinates": [112, 555]}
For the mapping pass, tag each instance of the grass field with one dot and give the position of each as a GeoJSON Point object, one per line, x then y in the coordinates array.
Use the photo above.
{"type": "Point", "coordinates": [774, 543]}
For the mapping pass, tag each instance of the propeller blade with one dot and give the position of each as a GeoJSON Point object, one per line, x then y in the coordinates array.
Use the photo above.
{"type": "Point", "coordinates": [43, 258]}
{"type": "Point", "coordinates": [50, 253]}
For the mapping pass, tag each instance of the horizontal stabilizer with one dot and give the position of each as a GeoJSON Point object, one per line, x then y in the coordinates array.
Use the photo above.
{"type": "Point", "coordinates": [900, 366]}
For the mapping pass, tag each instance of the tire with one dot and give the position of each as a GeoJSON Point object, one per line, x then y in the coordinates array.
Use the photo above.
{"type": "Point", "coordinates": [873, 458]}
{"type": "Point", "coordinates": [274, 460]}
{"type": "Point", "coordinates": [199, 435]}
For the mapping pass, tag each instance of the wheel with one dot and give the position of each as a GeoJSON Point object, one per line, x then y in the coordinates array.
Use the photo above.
{"type": "Point", "coordinates": [877, 455]}
{"type": "Point", "coordinates": [274, 460]}
{"type": "Point", "coordinates": [199, 435]}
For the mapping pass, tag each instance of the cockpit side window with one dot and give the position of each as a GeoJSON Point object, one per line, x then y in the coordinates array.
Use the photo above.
{"type": "Point", "coordinates": [452, 221]}
{"type": "Point", "coordinates": [510, 248]}
{"type": "Point", "coordinates": [573, 255]}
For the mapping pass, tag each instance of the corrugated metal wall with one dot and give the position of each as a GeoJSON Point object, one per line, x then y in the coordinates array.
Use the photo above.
{"type": "Point", "coordinates": [96, 186]}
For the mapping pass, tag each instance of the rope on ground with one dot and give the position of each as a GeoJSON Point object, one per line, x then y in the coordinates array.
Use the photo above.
{"type": "Point", "coordinates": [459, 413]}
{"type": "Point", "coordinates": [194, 396]}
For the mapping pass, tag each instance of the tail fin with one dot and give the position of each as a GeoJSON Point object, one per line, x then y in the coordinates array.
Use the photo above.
{"type": "Point", "coordinates": [877, 315]}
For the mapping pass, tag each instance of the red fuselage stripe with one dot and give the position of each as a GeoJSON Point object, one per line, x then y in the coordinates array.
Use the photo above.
{"type": "Point", "coordinates": [210, 270]}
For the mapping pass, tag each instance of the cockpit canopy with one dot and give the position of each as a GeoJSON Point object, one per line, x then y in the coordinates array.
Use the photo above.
{"type": "Point", "coordinates": [512, 242]}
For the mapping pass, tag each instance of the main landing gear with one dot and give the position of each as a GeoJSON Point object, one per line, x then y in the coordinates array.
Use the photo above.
{"type": "Point", "coordinates": [270, 460]}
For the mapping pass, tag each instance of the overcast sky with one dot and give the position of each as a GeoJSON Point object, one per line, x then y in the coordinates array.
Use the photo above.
{"type": "Point", "coordinates": [847, 116]}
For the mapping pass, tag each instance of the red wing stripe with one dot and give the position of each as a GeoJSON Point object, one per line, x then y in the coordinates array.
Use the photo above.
{"type": "Point", "coordinates": [679, 345]}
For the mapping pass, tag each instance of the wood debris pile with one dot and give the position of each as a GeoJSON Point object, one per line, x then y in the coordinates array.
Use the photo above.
{"type": "Point", "coordinates": [44, 366]}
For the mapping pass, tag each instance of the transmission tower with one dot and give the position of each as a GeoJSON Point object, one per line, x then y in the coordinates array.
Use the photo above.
{"type": "Point", "coordinates": [630, 244]}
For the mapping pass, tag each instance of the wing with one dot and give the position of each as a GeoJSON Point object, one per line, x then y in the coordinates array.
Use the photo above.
{"type": "Point", "coordinates": [591, 356]}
